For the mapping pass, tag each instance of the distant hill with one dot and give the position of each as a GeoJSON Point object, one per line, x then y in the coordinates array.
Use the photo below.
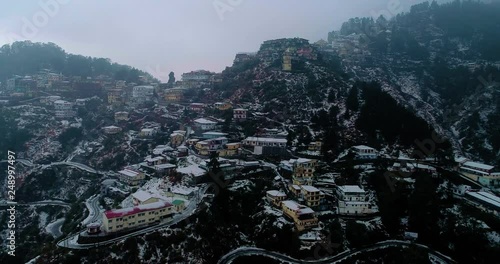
{"type": "Point", "coordinates": [26, 58]}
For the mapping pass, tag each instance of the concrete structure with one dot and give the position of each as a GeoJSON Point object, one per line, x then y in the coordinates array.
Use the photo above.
{"type": "Point", "coordinates": [239, 114]}
{"type": "Point", "coordinates": [111, 130]}
{"type": "Point", "coordinates": [205, 124]}
{"type": "Point", "coordinates": [131, 177]}
{"type": "Point", "coordinates": [205, 147]}
{"type": "Point", "coordinates": [135, 217]}
{"type": "Point", "coordinates": [196, 107]}
{"type": "Point", "coordinates": [352, 200]}
{"type": "Point", "coordinates": [275, 197]}
{"type": "Point", "coordinates": [304, 217]}
{"type": "Point", "coordinates": [479, 172]}
{"type": "Point", "coordinates": [147, 132]}
{"type": "Point", "coordinates": [287, 61]}
{"type": "Point", "coordinates": [223, 106]}
{"type": "Point", "coordinates": [64, 109]}
{"type": "Point", "coordinates": [121, 116]}
{"type": "Point", "coordinates": [312, 195]}
{"type": "Point", "coordinates": [142, 93]}
{"type": "Point", "coordinates": [365, 152]}
{"type": "Point", "coordinates": [176, 139]}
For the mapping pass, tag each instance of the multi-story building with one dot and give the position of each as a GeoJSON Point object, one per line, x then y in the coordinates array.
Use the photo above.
{"type": "Point", "coordinates": [213, 134]}
{"type": "Point", "coordinates": [205, 124]}
{"type": "Point", "coordinates": [205, 147]}
{"type": "Point", "coordinates": [131, 177]}
{"type": "Point", "coordinates": [223, 106]}
{"type": "Point", "coordinates": [239, 114]}
{"type": "Point", "coordinates": [135, 217]}
{"type": "Point", "coordinates": [142, 93]}
{"type": "Point", "coordinates": [115, 96]}
{"type": "Point", "coordinates": [176, 139]}
{"type": "Point", "coordinates": [365, 152]}
{"type": "Point", "coordinates": [111, 130]}
{"type": "Point", "coordinates": [174, 95]}
{"type": "Point", "coordinates": [63, 109]}
{"type": "Point", "coordinates": [266, 146]}
{"type": "Point", "coordinates": [230, 149]}
{"type": "Point", "coordinates": [312, 195]}
{"type": "Point", "coordinates": [352, 200]}
{"type": "Point", "coordinates": [121, 116]}
{"type": "Point", "coordinates": [482, 173]}
{"type": "Point", "coordinates": [303, 216]}
{"type": "Point", "coordinates": [275, 197]}
{"type": "Point", "coordinates": [315, 146]}
{"type": "Point", "coordinates": [195, 79]}
{"type": "Point", "coordinates": [196, 107]}
{"type": "Point", "coordinates": [287, 61]}
{"type": "Point", "coordinates": [303, 170]}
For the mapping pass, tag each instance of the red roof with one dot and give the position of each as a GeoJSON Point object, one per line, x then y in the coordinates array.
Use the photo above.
{"type": "Point", "coordinates": [136, 209]}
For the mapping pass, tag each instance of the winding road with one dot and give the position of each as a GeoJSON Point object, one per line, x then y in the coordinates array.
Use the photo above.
{"type": "Point", "coordinates": [71, 241]}
{"type": "Point", "coordinates": [251, 251]}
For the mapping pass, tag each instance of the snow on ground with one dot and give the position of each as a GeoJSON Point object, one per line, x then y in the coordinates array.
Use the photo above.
{"type": "Point", "coordinates": [42, 219]}
{"type": "Point", "coordinates": [54, 228]}
{"type": "Point", "coordinates": [272, 211]}
{"type": "Point", "coordinates": [241, 184]}
{"type": "Point", "coordinates": [311, 236]}
{"type": "Point", "coordinates": [494, 237]}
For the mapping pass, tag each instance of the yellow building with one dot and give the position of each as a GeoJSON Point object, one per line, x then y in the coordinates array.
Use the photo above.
{"type": "Point", "coordinates": [223, 106]}
{"type": "Point", "coordinates": [174, 95]}
{"type": "Point", "coordinates": [311, 195]}
{"type": "Point", "coordinates": [203, 148]}
{"type": "Point", "coordinates": [231, 149]}
{"type": "Point", "coordinates": [143, 197]}
{"type": "Point", "coordinates": [287, 60]}
{"type": "Point", "coordinates": [115, 97]}
{"type": "Point", "coordinates": [134, 217]}
{"type": "Point", "coordinates": [303, 171]}
{"type": "Point", "coordinates": [176, 139]}
{"type": "Point", "coordinates": [275, 197]}
{"type": "Point", "coordinates": [304, 217]}
{"type": "Point", "coordinates": [315, 146]}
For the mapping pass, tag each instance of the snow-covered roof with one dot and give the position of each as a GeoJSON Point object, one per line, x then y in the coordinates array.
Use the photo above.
{"type": "Point", "coordinates": [142, 196]}
{"type": "Point", "coordinates": [363, 147]}
{"type": "Point", "coordinates": [461, 159]}
{"type": "Point", "coordinates": [300, 209]}
{"type": "Point", "coordinates": [204, 121]}
{"type": "Point", "coordinates": [155, 159]}
{"type": "Point", "coordinates": [164, 166]}
{"type": "Point", "coordinates": [261, 139]}
{"type": "Point", "coordinates": [478, 165]}
{"type": "Point", "coordinates": [129, 172]}
{"type": "Point", "coordinates": [194, 170]}
{"type": "Point", "coordinates": [276, 193]}
{"type": "Point", "coordinates": [309, 188]}
{"type": "Point", "coordinates": [351, 189]}
{"type": "Point", "coordinates": [486, 197]}
{"type": "Point", "coordinates": [116, 213]}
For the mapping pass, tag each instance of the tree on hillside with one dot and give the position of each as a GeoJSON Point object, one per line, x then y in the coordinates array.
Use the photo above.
{"type": "Point", "coordinates": [171, 79]}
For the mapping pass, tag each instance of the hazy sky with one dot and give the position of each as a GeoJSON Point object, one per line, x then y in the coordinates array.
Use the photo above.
{"type": "Point", "coordinates": [160, 36]}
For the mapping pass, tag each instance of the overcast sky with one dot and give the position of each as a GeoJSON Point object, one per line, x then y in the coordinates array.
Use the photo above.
{"type": "Point", "coordinates": [178, 35]}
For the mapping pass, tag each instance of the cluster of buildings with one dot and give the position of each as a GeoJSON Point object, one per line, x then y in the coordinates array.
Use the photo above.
{"type": "Point", "coordinates": [479, 172]}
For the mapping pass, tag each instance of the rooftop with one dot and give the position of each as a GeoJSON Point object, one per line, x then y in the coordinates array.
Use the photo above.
{"type": "Point", "coordinates": [478, 165]}
{"type": "Point", "coordinates": [204, 121]}
{"type": "Point", "coordinates": [116, 213]}
{"type": "Point", "coordinates": [309, 188]}
{"type": "Point", "coordinates": [351, 189]}
{"type": "Point", "coordinates": [276, 193]}
{"type": "Point", "coordinates": [262, 139]}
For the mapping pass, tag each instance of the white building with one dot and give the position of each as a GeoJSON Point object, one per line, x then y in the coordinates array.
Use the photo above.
{"type": "Point", "coordinates": [265, 142]}
{"type": "Point", "coordinates": [63, 109]}
{"type": "Point", "coordinates": [111, 130]}
{"type": "Point", "coordinates": [239, 114]}
{"type": "Point", "coordinates": [205, 124]}
{"type": "Point", "coordinates": [131, 177]}
{"type": "Point", "coordinates": [352, 200]}
{"type": "Point", "coordinates": [142, 93]}
{"type": "Point", "coordinates": [365, 152]}
{"type": "Point", "coordinates": [482, 173]}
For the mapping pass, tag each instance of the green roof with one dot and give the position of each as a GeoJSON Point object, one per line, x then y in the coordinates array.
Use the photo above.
{"type": "Point", "coordinates": [177, 202]}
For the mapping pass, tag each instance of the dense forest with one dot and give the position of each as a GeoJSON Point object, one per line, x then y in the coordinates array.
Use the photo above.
{"type": "Point", "coordinates": [26, 58]}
